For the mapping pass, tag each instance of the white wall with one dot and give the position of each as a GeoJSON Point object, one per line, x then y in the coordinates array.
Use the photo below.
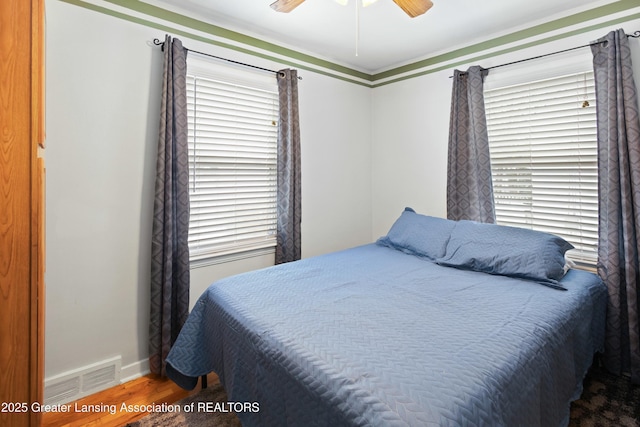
{"type": "Point", "coordinates": [411, 123]}
{"type": "Point", "coordinates": [409, 148]}
{"type": "Point", "coordinates": [103, 77]}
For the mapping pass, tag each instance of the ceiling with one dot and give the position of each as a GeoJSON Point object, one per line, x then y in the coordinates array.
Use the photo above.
{"type": "Point", "coordinates": [387, 37]}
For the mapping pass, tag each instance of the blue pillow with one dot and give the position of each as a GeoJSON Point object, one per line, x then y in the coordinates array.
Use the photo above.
{"type": "Point", "coordinates": [420, 235]}
{"type": "Point", "coordinates": [508, 251]}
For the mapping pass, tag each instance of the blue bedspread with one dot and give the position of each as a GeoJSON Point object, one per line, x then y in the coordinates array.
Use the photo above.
{"type": "Point", "coordinates": [371, 336]}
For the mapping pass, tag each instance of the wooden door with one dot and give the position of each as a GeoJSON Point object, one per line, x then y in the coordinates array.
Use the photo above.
{"type": "Point", "coordinates": [21, 210]}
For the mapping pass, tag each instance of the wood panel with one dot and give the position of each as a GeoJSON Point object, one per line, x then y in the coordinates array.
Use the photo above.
{"type": "Point", "coordinates": [36, 356]}
{"type": "Point", "coordinates": [37, 290]}
{"type": "Point", "coordinates": [21, 209]}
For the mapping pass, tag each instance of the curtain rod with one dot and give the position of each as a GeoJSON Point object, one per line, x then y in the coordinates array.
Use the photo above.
{"type": "Point", "coordinates": [635, 35]}
{"type": "Point", "coordinates": [158, 42]}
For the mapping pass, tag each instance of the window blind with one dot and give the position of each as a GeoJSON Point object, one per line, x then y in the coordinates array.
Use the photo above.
{"type": "Point", "coordinates": [232, 161]}
{"type": "Point", "coordinates": [542, 139]}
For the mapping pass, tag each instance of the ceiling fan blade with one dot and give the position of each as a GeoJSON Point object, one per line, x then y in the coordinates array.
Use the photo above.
{"type": "Point", "coordinates": [285, 6]}
{"type": "Point", "coordinates": [414, 8]}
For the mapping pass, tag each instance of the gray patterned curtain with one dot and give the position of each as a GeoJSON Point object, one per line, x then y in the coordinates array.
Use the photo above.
{"type": "Point", "coordinates": [288, 246]}
{"type": "Point", "coordinates": [169, 244]}
{"type": "Point", "coordinates": [619, 199]}
{"type": "Point", "coordinates": [469, 186]}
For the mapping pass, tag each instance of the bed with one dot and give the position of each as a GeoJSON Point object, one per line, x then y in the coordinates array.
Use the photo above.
{"type": "Point", "coordinates": [439, 323]}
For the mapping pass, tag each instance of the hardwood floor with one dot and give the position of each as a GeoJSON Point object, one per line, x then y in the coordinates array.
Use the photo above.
{"type": "Point", "coordinates": [104, 407]}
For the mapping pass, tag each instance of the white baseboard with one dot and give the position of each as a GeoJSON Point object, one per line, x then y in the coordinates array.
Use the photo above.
{"type": "Point", "coordinates": [134, 370]}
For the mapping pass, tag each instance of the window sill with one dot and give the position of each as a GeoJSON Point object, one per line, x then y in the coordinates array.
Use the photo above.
{"type": "Point", "coordinates": [236, 256]}
{"type": "Point", "coordinates": [583, 262]}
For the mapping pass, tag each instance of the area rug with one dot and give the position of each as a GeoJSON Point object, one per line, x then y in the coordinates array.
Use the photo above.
{"type": "Point", "coordinates": [202, 412]}
{"type": "Point", "coordinates": [607, 401]}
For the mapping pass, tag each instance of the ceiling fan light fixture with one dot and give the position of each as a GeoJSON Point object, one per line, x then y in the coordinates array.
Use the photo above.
{"type": "Point", "coordinates": [365, 3]}
{"type": "Point", "coordinates": [412, 8]}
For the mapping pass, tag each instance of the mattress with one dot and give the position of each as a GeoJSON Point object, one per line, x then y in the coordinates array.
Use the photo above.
{"type": "Point", "coordinates": [372, 336]}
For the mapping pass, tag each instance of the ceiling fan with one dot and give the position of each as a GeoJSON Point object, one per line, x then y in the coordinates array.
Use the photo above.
{"type": "Point", "coordinates": [412, 8]}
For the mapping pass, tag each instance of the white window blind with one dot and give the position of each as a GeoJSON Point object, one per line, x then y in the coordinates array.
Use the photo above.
{"type": "Point", "coordinates": [542, 139]}
{"type": "Point", "coordinates": [232, 161]}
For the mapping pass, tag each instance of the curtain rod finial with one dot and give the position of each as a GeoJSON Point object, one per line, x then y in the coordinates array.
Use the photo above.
{"type": "Point", "coordinates": [157, 42]}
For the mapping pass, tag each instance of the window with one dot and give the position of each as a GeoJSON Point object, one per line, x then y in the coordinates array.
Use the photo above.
{"type": "Point", "coordinates": [232, 162]}
{"type": "Point", "coordinates": [542, 139]}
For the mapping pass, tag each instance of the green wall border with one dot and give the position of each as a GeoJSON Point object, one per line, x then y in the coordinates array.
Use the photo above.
{"type": "Point", "coordinates": [310, 63]}
{"type": "Point", "coordinates": [513, 49]}
{"type": "Point", "coordinates": [578, 18]}
{"type": "Point", "coordinates": [175, 31]}
{"type": "Point", "coordinates": [215, 30]}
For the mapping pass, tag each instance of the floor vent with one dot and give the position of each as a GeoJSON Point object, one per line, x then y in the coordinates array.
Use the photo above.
{"type": "Point", "coordinates": [63, 391]}
{"type": "Point", "coordinates": [82, 382]}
